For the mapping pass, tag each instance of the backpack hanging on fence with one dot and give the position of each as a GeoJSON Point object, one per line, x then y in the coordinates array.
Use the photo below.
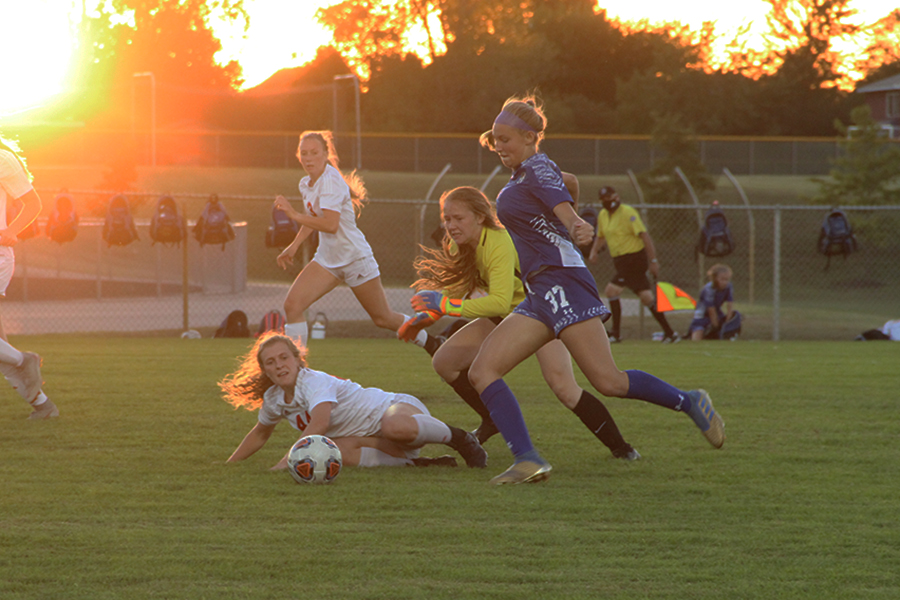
{"type": "Point", "coordinates": [271, 321]}
{"type": "Point", "coordinates": [282, 230]}
{"type": "Point", "coordinates": [715, 236]}
{"type": "Point", "coordinates": [214, 226]}
{"type": "Point", "coordinates": [167, 227]}
{"type": "Point", "coordinates": [836, 236]}
{"type": "Point", "coordinates": [234, 325]}
{"type": "Point", "coordinates": [62, 224]}
{"type": "Point", "coordinates": [118, 228]}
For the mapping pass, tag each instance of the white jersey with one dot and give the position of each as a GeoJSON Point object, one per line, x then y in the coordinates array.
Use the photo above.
{"type": "Point", "coordinates": [14, 184]}
{"type": "Point", "coordinates": [347, 244]}
{"type": "Point", "coordinates": [357, 410]}
{"type": "Point", "coordinates": [892, 330]}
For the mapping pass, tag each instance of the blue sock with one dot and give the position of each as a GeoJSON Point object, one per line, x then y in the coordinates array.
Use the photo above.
{"type": "Point", "coordinates": [507, 415]}
{"type": "Point", "coordinates": [646, 387]}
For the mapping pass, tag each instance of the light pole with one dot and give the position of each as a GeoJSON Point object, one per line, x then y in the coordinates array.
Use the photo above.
{"type": "Point", "coordinates": [152, 111]}
{"type": "Point", "coordinates": [358, 127]}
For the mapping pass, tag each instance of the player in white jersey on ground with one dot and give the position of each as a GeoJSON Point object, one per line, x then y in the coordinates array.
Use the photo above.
{"type": "Point", "coordinates": [21, 369]}
{"type": "Point", "coordinates": [370, 426]}
{"type": "Point", "coordinates": [330, 203]}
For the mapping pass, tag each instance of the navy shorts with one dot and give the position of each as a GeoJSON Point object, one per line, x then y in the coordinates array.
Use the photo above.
{"type": "Point", "coordinates": [562, 296]}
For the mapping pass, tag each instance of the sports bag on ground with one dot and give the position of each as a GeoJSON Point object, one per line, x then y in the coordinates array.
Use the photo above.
{"type": "Point", "coordinates": [62, 224]}
{"type": "Point", "coordinates": [214, 226]}
{"type": "Point", "coordinates": [271, 321]}
{"type": "Point", "coordinates": [167, 226]}
{"type": "Point", "coordinates": [715, 236]}
{"type": "Point", "coordinates": [836, 236]}
{"type": "Point", "coordinates": [282, 230]}
{"type": "Point", "coordinates": [118, 228]}
{"type": "Point", "coordinates": [234, 325]}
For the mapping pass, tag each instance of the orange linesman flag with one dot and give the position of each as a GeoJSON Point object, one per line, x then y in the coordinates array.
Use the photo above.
{"type": "Point", "coordinates": [669, 297]}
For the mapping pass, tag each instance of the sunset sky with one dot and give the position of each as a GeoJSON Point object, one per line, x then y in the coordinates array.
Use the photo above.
{"type": "Point", "coordinates": [283, 33]}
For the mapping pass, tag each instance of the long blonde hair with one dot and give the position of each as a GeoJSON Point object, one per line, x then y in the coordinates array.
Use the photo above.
{"type": "Point", "coordinates": [358, 193]}
{"type": "Point", "coordinates": [530, 110]}
{"type": "Point", "coordinates": [11, 146]}
{"type": "Point", "coordinates": [245, 386]}
{"type": "Point", "coordinates": [455, 272]}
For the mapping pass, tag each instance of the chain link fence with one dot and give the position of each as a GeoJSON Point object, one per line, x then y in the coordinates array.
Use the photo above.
{"type": "Point", "coordinates": [783, 286]}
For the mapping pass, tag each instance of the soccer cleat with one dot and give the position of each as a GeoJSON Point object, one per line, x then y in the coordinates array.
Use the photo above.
{"type": "Point", "coordinates": [46, 410]}
{"type": "Point", "coordinates": [706, 417]}
{"type": "Point", "coordinates": [485, 431]}
{"type": "Point", "coordinates": [524, 471]}
{"type": "Point", "coordinates": [30, 372]}
{"type": "Point", "coordinates": [615, 339]}
{"type": "Point", "coordinates": [471, 451]}
{"type": "Point", "coordinates": [438, 461]}
{"type": "Point", "coordinates": [626, 452]}
{"type": "Point", "coordinates": [672, 339]}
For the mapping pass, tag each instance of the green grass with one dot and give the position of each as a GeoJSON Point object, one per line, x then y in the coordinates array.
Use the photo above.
{"type": "Point", "coordinates": [126, 495]}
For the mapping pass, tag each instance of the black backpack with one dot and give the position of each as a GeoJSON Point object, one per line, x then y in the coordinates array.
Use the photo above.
{"type": "Point", "coordinates": [167, 227]}
{"type": "Point", "coordinates": [836, 236]}
{"type": "Point", "coordinates": [282, 230]}
{"type": "Point", "coordinates": [62, 224]}
{"type": "Point", "coordinates": [715, 236]}
{"type": "Point", "coordinates": [234, 325]}
{"type": "Point", "coordinates": [118, 228]}
{"type": "Point", "coordinates": [214, 226]}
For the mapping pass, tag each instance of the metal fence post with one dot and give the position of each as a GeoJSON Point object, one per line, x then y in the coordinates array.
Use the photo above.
{"type": "Point", "coordinates": [776, 275]}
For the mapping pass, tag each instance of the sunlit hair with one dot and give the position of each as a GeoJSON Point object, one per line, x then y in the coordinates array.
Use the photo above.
{"type": "Point", "coordinates": [529, 109]}
{"type": "Point", "coordinates": [11, 146]}
{"type": "Point", "coordinates": [457, 271]}
{"type": "Point", "coordinates": [246, 386]}
{"type": "Point", "coordinates": [716, 270]}
{"type": "Point", "coordinates": [357, 188]}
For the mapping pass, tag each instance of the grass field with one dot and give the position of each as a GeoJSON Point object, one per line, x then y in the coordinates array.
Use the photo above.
{"type": "Point", "coordinates": [126, 495]}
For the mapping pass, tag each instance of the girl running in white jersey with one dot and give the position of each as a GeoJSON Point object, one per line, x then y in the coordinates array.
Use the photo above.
{"type": "Point", "coordinates": [331, 201]}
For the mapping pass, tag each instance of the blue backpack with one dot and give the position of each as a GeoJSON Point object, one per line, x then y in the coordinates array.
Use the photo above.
{"type": "Point", "coordinates": [214, 226]}
{"type": "Point", "coordinates": [836, 236]}
{"type": "Point", "coordinates": [118, 228]}
{"type": "Point", "coordinates": [282, 230]}
{"type": "Point", "coordinates": [167, 227]}
{"type": "Point", "coordinates": [62, 224]}
{"type": "Point", "coordinates": [715, 236]}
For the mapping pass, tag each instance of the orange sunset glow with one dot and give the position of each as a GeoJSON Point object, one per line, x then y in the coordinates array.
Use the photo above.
{"type": "Point", "coordinates": [285, 34]}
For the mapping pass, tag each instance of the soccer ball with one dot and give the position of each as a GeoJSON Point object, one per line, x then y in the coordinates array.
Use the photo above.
{"type": "Point", "coordinates": [314, 459]}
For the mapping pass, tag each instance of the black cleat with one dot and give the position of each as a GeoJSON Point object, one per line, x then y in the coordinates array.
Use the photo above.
{"type": "Point", "coordinates": [471, 451]}
{"type": "Point", "coordinates": [485, 431]}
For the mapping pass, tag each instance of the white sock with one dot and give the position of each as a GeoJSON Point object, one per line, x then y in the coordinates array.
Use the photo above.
{"type": "Point", "coordinates": [10, 355]}
{"type": "Point", "coordinates": [421, 338]}
{"type": "Point", "coordinates": [431, 431]}
{"type": "Point", "coordinates": [41, 398]}
{"type": "Point", "coordinates": [297, 332]}
{"type": "Point", "coordinates": [372, 457]}
{"type": "Point", "coordinates": [15, 380]}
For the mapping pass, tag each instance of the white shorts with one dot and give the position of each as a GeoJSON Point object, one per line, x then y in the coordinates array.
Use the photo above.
{"type": "Point", "coordinates": [7, 267]}
{"type": "Point", "coordinates": [356, 273]}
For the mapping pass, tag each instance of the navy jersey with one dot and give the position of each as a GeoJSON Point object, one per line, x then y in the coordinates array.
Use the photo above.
{"type": "Point", "coordinates": [525, 207]}
{"type": "Point", "coordinates": [710, 297]}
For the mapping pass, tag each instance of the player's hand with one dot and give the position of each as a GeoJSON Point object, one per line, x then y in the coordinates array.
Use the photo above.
{"type": "Point", "coordinates": [582, 232]}
{"type": "Point", "coordinates": [8, 238]}
{"type": "Point", "coordinates": [282, 204]}
{"type": "Point", "coordinates": [416, 323]}
{"type": "Point", "coordinates": [654, 269]}
{"type": "Point", "coordinates": [433, 301]}
{"type": "Point", "coordinates": [286, 258]}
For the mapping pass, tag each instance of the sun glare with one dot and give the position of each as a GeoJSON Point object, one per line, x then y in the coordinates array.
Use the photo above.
{"type": "Point", "coordinates": [37, 47]}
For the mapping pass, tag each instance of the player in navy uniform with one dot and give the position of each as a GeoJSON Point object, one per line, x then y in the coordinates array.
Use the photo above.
{"type": "Point", "coordinates": [562, 299]}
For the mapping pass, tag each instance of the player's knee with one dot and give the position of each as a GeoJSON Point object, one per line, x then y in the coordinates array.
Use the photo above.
{"type": "Point", "coordinates": [399, 428]}
{"type": "Point", "coordinates": [293, 310]}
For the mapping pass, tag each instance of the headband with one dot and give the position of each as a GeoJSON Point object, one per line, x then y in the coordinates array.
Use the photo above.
{"type": "Point", "coordinates": [507, 118]}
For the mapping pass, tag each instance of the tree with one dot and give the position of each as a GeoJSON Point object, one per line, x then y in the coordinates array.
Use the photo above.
{"type": "Point", "coordinates": [867, 172]}
{"type": "Point", "coordinates": [677, 147]}
{"type": "Point", "coordinates": [171, 39]}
